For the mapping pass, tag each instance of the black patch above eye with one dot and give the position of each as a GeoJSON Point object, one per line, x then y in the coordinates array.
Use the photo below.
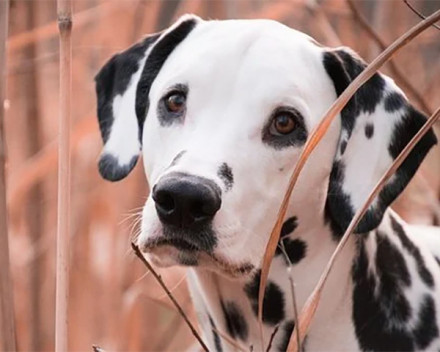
{"type": "Point", "coordinates": [153, 65]}
{"type": "Point", "coordinates": [296, 138]}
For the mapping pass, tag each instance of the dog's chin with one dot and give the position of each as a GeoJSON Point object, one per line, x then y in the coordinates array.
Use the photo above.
{"type": "Point", "coordinates": [168, 253]}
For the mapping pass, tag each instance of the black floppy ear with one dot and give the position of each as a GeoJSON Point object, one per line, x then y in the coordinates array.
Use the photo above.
{"type": "Point", "coordinates": [122, 88]}
{"type": "Point", "coordinates": [376, 125]}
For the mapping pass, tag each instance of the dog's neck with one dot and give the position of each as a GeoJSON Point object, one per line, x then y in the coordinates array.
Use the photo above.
{"type": "Point", "coordinates": [368, 264]}
{"type": "Point", "coordinates": [309, 246]}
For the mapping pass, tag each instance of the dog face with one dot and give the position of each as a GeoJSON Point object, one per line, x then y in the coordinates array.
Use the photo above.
{"type": "Point", "coordinates": [221, 111]}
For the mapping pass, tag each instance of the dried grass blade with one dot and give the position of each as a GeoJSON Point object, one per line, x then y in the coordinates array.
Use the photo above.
{"type": "Point", "coordinates": [310, 306]}
{"type": "Point", "coordinates": [318, 133]}
{"type": "Point", "coordinates": [64, 11]}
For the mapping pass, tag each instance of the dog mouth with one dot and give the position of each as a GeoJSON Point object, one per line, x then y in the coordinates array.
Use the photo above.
{"type": "Point", "coordinates": [178, 243]}
{"type": "Point", "coordinates": [166, 252]}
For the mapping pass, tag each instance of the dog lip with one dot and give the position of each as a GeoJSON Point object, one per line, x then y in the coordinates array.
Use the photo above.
{"type": "Point", "coordinates": [216, 263]}
{"type": "Point", "coordinates": [178, 243]}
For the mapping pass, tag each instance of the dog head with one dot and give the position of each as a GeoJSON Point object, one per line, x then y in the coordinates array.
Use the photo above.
{"type": "Point", "coordinates": [221, 111]}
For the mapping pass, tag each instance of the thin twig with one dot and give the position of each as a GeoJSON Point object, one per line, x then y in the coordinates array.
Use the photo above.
{"type": "Point", "coordinates": [7, 324]}
{"type": "Point", "coordinates": [311, 305]}
{"type": "Point", "coordinates": [413, 9]}
{"type": "Point", "coordinates": [397, 73]}
{"type": "Point", "coordinates": [64, 9]}
{"type": "Point", "coordinates": [292, 289]}
{"type": "Point", "coordinates": [272, 336]}
{"type": "Point", "coordinates": [317, 135]}
{"type": "Point", "coordinates": [169, 294]}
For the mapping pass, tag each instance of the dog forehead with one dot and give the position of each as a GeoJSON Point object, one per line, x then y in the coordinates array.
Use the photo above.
{"type": "Point", "coordinates": [222, 46]}
{"type": "Point", "coordinates": [231, 57]}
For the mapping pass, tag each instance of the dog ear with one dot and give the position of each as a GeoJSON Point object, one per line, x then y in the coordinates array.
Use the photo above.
{"type": "Point", "coordinates": [122, 88]}
{"type": "Point", "coordinates": [376, 124]}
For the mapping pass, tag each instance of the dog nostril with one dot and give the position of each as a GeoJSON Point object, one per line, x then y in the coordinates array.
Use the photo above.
{"type": "Point", "coordinates": [164, 200]}
{"type": "Point", "coordinates": [200, 210]}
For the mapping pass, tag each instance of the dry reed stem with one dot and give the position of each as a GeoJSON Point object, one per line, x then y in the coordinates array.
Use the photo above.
{"type": "Point", "coordinates": [7, 324]}
{"type": "Point", "coordinates": [398, 75]}
{"type": "Point", "coordinates": [42, 163]}
{"type": "Point", "coordinates": [64, 8]}
{"type": "Point", "coordinates": [413, 9]}
{"type": "Point", "coordinates": [169, 294]}
{"type": "Point", "coordinates": [312, 302]}
{"type": "Point", "coordinates": [292, 290]}
{"type": "Point", "coordinates": [316, 136]}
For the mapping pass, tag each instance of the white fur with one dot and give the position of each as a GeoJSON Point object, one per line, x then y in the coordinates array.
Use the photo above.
{"type": "Point", "coordinates": [232, 93]}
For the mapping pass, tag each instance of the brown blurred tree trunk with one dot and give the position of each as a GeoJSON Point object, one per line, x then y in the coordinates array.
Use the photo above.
{"type": "Point", "coordinates": [7, 324]}
{"type": "Point", "coordinates": [34, 206]}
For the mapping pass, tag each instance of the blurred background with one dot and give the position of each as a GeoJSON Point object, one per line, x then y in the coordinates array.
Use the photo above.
{"type": "Point", "coordinates": [113, 301]}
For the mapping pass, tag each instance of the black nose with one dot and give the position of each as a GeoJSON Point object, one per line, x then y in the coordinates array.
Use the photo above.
{"type": "Point", "coordinates": [186, 201]}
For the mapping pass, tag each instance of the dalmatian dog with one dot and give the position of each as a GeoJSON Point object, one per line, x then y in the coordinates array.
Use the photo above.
{"type": "Point", "coordinates": [221, 111]}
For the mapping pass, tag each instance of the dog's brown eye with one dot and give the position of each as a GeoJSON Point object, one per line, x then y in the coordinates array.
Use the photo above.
{"type": "Point", "coordinates": [283, 123]}
{"type": "Point", "coordinates": [175, 102]}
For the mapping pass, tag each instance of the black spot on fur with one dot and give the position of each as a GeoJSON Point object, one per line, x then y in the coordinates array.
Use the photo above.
{"type": "Point", "coordinates": [110, 169]}
{"type": "Point", "coordinates": [337, 199]}
{"type": "Point", "coordinates": [394, 102]}
{"type": "Point", "coordinates": [289, 226]}
{"type": "Point", "coordinates": [391, 268]}
{"type": "Point", "coordinates": [287, 332]}
{"type": "Point", "coordinates": [343, 147]}
{"type": "Point", "coordinates": [426, 329]}
{"type": "Point", "coordinates": [369, 130]}
{"type": "Point", "coordinates": [380, 314]}
{"type": "Point", "coordinates": [295, 248]}
{"type": "Point", "coordinates": [113, 79]}
{"type": "Point", "coordinates": [423, 271]}
{"type": "Point", "coordinates": [226, 175]}
{"type": "Point", "coordinates": [236, 324]}
{"type": "Point", "coordinates": [273, 307]}
{"type": "Point", "coordinates": [153, 65]}
{"type": "Point", "coordinates": [216, 337]}
{"type": "Point", "coordinates": [437, 259]}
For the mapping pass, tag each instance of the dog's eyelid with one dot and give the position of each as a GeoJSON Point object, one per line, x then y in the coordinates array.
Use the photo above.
{"type": "Point", "coordinates": [294, 112]}
{"type": "Point", "coordinates": [179, 88]}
